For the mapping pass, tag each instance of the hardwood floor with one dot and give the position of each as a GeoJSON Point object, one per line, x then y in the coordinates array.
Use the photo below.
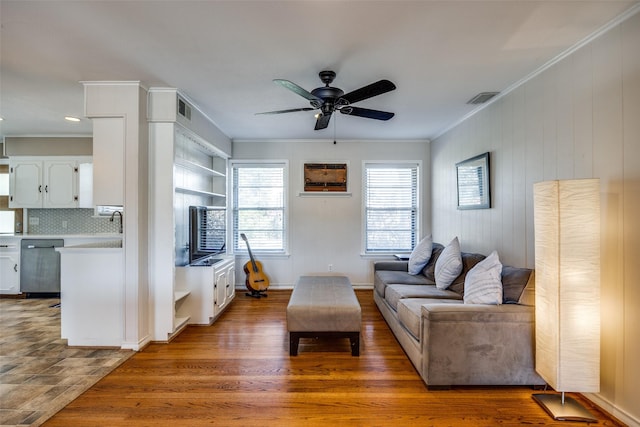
{"type": "Point", "coordinates": [238, 373]}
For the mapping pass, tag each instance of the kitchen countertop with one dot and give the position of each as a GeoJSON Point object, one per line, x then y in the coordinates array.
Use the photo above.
{"type": "Point", "coordinates": [110, 244]}
{"type": "Point", "coordinates": [64, 236]}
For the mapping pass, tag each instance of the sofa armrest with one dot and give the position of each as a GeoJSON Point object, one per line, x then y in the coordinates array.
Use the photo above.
{"type": "Point", "coordinates": [478, 344]}
{"type": "Point", "coordinates": [391, 265]}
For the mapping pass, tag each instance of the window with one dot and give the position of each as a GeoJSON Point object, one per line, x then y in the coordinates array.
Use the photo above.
{"type": "Point", "coordinates": [391, 207]}
{"type": "Point", "coordinates": [259, 206]}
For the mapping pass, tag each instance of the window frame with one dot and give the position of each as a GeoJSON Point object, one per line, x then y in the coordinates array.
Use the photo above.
{"type": "Point", "coordinates": [366, 164]}
{"type": "Point", "coordinates": [233, 236]}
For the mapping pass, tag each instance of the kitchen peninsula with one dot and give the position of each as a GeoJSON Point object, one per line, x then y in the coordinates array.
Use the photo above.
{"type": "Point", "coordinates": [92, 278]}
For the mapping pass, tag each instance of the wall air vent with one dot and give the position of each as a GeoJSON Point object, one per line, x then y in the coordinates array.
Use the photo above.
{"type": "Point", "coordinates": [184, 109]}
{"type": "Point", "coordinates": [482, 97]}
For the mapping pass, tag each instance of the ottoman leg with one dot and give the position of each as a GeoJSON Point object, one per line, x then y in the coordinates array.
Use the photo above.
{"type": "Point", "coordinates": [355, 343]}
{"type": "Point", "coordinates": [294, 339]}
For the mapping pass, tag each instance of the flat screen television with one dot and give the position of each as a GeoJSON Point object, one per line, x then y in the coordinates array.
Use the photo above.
{"type": "Point", "coordinates": [207, 232]}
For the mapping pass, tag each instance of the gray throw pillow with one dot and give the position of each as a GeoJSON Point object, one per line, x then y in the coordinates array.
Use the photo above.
{"type": "Point", "coordinates": [449, 264]}
{"type": "Point", "coordinates": [420, 255]}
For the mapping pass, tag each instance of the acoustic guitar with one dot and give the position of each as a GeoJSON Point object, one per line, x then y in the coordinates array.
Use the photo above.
{"type": "Point", "coordinates": [257, 282]}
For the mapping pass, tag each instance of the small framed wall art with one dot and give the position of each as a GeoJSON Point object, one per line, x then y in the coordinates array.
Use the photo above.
{"type": "Point", "coordinates": [325, 177]}
{"type": "Point", "coordinates": [474, 190]}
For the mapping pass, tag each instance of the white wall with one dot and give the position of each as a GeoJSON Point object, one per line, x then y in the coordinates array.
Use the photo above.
{"type": "Point", "coordinates": [328, 230]}
{"type": "Point", "coordinates": [578, 119]}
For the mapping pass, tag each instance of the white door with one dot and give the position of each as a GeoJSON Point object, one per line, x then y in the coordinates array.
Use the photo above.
{"type": "Point", "coordinates": [221, 288]}
{"type": "Point", "coordinates": [60, 184]}
{"type": "Point", "coordinates": [25, 184]}
{"type": "Point", "coordinates": [10, 272]}
{"type": "Point", "coordinates": [231, 282]}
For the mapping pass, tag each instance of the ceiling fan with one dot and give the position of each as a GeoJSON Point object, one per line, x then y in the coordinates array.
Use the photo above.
{"type": "Point", "coordinates": [328, 99]}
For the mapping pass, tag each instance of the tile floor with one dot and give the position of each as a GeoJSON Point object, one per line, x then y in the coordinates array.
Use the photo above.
{"type": "Point", "coordinates": [39, 373]}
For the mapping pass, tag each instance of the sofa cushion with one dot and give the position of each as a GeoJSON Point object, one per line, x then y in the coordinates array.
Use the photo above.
{"type": "Point", "coordinates": [420, 255]}
{"type": "Point", "coordinates": [410, 313]}
{"type": "Point", "coordinates": [449, 264]}
{"type": "Point", "coordinates": [384, 278]}
{"type": "Point", "coordinates": [483, 284]}
{"type": "Point", "coordinates": [429, 270]}
{"type": "Point", "coordinates": [469, 260]}
{"type": "Point", "coordinates": [514, 281]}
{"type": "Point", "coordinates": [396, 292]}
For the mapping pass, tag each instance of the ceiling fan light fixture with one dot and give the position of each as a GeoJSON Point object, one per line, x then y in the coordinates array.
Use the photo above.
{"type": "Point", "coordinates": [482, 97]}
{"type": "Point", "coordinates": [71, 119]}
{"type": "Point", "coordinates": [330, 99]}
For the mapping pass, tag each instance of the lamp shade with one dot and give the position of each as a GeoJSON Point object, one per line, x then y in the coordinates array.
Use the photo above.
{"type": "Point", "coordinates": [567, 262]}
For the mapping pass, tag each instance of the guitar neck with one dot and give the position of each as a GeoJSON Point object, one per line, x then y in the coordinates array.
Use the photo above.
{"type": "Point", "coordinates": [253, 261]}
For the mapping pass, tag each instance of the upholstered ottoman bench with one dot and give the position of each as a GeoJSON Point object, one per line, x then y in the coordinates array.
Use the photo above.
{"type": "Point", "coordinates": [323, 306]}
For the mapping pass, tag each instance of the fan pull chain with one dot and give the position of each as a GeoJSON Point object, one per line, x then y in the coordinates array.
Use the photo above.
{"type": "Point", "coordinates": [335, 119]}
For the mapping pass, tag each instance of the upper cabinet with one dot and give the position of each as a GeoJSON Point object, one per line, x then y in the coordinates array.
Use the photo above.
{"type": "Point", "coordinates": [108, 166]}
{"type": "Point", "coordinates": [44, 182]}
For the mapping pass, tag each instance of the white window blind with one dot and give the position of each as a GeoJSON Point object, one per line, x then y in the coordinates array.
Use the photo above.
{"type": "Point", "coordinates": [259, 209]}
{"type": "Point", "coordinates": [391, 207]}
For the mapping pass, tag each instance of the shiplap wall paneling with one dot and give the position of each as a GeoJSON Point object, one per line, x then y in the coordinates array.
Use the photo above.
{"type": "Point", "coordinates": [495, 215]}
{"type": "Point", "coordinates": [630, 34]}
{"type": "Point", "coordinates": [518, 252]}
{"type": "Point", "coordinates": [549, 115]}
{"type": "Point", "coordinates": [503, 188]}
{"type": "Point", "coordinates": [582, 95]}
{"type": "Point", "coordinates": [564, 120]}
{"type": "Point", "coordinates": [608, 157]}
{"type": "Point", "coordinates": [534, 147]}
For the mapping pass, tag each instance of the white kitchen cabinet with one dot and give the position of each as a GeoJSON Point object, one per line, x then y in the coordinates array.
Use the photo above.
{"type": "Point", "coordinates": [224, 285]}
{"type": "Point", "coordinates": [9, 265]}
{"type": "Point", "coordinates": [44, 182]}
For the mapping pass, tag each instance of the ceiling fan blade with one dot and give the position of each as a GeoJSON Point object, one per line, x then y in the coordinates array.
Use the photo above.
{"type": "Point", "coordinates": [297, 89]}
{"type": "Point", "coordinates": [323, 121]}
{"type": "Point", "coordinates": [293, 110]}
{"type": "Point", "coordinates": [369, 91]}
{"type": "Point", "coordinates": [367, 113]}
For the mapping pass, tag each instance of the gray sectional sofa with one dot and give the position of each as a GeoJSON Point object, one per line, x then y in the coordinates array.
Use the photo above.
{"type": "Point", "coordinates": [453, 343]}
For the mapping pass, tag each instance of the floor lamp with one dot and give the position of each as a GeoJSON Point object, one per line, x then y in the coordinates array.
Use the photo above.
{"type": "Point", "coordinates": [567, 310]}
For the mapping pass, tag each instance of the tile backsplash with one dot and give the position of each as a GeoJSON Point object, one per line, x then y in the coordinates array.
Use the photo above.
{"type": "Point", "coordinates": [68, 221]}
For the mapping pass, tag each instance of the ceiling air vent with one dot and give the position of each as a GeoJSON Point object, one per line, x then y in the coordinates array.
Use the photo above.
{"type": "Point", "coordinates": [482, 97]}
{"type": "Point", "coordinates": [184, 109]}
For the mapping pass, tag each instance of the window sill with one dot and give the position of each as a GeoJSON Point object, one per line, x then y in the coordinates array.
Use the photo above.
{"type": "Point", "coordinates": [324, 194]}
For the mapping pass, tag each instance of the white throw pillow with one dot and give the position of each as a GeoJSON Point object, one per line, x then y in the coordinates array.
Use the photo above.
{"type": "Point", "coordinates": [483, 284]}
{"type": "Point", "coordinates": [448, 265]}
{"type": "Point", "coordinates": [420, 255]}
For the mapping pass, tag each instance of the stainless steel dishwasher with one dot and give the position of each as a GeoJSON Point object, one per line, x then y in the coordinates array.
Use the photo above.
{"type": "Point", "coordinates": [40, 266]}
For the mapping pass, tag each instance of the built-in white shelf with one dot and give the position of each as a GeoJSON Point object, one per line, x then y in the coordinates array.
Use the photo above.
{"type": "Point", "coordinates": [198, 168]}
{"type": "Point", "coordinates": [180, 322]}
{"type": "Point", "coordinates": [199, 192]}
{"type": "Point", "coordinates": [180, 295]}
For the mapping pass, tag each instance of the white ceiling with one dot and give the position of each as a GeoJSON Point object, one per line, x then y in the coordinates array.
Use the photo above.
{"type": "Point", "coordinates": [224, 54]}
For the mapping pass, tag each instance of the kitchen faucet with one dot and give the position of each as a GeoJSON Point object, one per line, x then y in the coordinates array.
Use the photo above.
{"type": "Point", "coordinates": [119, 213]}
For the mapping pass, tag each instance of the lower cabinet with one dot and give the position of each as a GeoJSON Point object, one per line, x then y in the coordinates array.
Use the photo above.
{"type": "Point", "coordinates": [9, 266]}
{"type": "Point", "coordinates": [92, 296]}
{"type": "Point", "coordinates": [210, 291]}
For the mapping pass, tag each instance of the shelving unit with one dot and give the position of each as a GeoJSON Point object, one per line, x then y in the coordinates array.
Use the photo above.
{"type": "Point", "coordinates": [188, 170]}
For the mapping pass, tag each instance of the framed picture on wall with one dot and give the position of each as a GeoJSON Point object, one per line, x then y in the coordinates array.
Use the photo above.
{"type": "Point", "coordinates": [325, 177]}
{"type": "Point", "coordinates": [474, 190]}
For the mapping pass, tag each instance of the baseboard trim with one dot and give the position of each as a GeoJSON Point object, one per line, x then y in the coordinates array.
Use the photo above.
{"type": "Point", "coordinates": [612, 409]}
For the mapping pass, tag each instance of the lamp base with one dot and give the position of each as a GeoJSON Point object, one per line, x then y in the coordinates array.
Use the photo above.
{"type": "Point", "coordinates": [569, 410]}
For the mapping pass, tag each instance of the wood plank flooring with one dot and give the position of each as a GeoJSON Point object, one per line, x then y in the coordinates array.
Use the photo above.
{"type": "Point", "coordinates": [238, 372]}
